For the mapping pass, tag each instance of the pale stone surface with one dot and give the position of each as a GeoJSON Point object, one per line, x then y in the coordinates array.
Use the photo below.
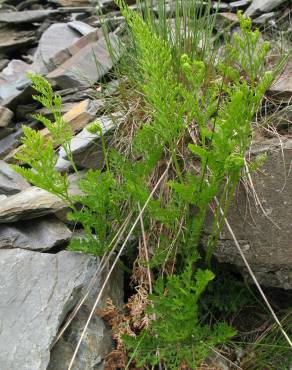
{"type": "Point", "coordinates": [10, 181]}
{"type": "Point", "coordinates": [86, 147]}
{"type": "Point", "coordinates": [265, 236]}
{"type": "Point", "coordinates": [57, 37]}
{"type": "Point", "coordinates": [262, 6]}
{"type": "Point", "coordinates": [13, 79]}
{"type": "Point", "coordinates": [26, 16]}
{"type": "Point", "coordinates": [37, 291]}
{"type": "Point", "coordinates": [40, 235]}
{"type": "Point", "coordinates": [30, 203]}
{"type": "Point", "coordinates": [97, 342]}
{"type": "Point", "coordinates": [85, 67]}
{"type": "Point", "coordinates": [77, 118]}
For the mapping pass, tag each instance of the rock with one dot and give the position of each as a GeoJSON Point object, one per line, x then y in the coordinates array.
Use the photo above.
{"type": "Point", "coordinates": [281, 88]}
{"type": "Point", "coordinates": [81, 27]}
{"type": "Point", "coordinates": [11, 141]}
{"type": "Point", "coordinates": [29, 203]}
{"type": "Point", "coordinates": [8, 141]}
{"type": "Point", "coordinates": [10, 181]}
{"type": "Point", "coordinates": [41, 235]}
{"type": "Point", "coordinates": [5, 131]}
{"type": "Point", "coordinates": [80, 115]}
{"type": "Point", "coordinates": [264, 18]}
{"type": "Point", "coordinates": [74, 3]}
{"type": "Point", "coordinates": [12, 39]}
{"type": "Point", "coordinates": [37, 292]}
{"type": "Point", "coordinates": [63, 55]}
{"type": "Point", "coordinates": [13, 79]}
{"type": "Point", "coordinates": [262, 6]}
{"type": "Point", "coordinates": [57, 39]}
{"type": "Point", "coordinates": [87, 66]}
{"type": "Point", "coordinates": [3, 62]}
{"type": "Point", "coordinates": [87, 147]}
{"type": "Point", "coordinates": [26, 16]}
{"type": "Point", "coordinates": [95, 346]}
{"type": "Point", "coordinates": [76, 94]}
{"type": "Point", "coordinates": [239, 4]}
{"type": "Point", "coordinates": [265, 238]}
{"type": "Point", "coordinates": [5, 116]}
{"type": "Point", "coordinates": [218, 5]}
{"type": "Point", "coordinates": [34, 202]}
{"type": "Point", "coordinates": [77, 118]}
{"type": "Point", "coordinates": [97, 341]}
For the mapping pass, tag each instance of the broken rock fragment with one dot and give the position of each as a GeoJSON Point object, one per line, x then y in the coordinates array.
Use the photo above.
{"type": "Point", "coordinates": [258, 7]}
{"type": "Point", "coordinates": [58, 38]}
{"type": "Point", "coordinates": [30, 203]}
{"type": "Point", "coordinates": [87, 148]}
{"type": "Point", "coordinates": [41, 235]}
{"type": "Point", "coordinates": [37, 291]}
{"type": "Point", "coordinates": [10, 181]}
{"type": "Point", "coordinates": [13, 79]}
{"type": "Point", "coordinates": [87, 66]}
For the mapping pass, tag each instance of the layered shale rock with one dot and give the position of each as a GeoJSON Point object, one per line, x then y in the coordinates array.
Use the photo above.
{"type": "Point", "coordinates": [37, 292]}
{"type": "Point", "coordinates": [261, 218]}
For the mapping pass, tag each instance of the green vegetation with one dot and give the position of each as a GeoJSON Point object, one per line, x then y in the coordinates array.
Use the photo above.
{"type": "Point", "coordinates": [193, 122]}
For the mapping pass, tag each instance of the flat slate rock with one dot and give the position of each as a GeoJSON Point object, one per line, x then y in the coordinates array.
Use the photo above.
{"type": "Point", "coordinates": [37, 291]}
{"type": "Point", "coordinates": [10, 181]}
{"type": "Point", "coordinates": [30, 203]}
{"type": "Point", "coordinates": [56, 38]}
{"type": "Point", "coordinates": [39, 235]}
{"type": "Point", "coordinates": [26, 16]}
{"type": "Point", "coordinates": [13, 79]}
{"type": "Point", "coordinates": [86, 67]}
{"type": "Point", "coordinates": [258, 7]}
{"type": "Point", "coordinates": [86, 147]}
{"type": "Point", "coordinates": [12, 39]}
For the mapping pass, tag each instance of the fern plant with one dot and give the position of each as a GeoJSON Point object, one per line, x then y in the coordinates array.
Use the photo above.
{"type": "Point", "coordinates": [196, 127]}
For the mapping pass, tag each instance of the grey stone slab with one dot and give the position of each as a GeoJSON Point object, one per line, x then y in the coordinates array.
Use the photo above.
{"type": "Point", "coordinates": [29, 203]}
{"type": "Point", "coordinates": [85, 67]}
{"type": "Point", "coordinates": [12, 39]}
{"type": "Point", "coordinates": [26, 16]}
{"type": "Point", "coordinates": [56, 38]}
{"type": "Point", "coordinates": [81, 27]}
{"type": "Point", "coordinates": [37, 291]}
{"type": "Point", "coordinates": [97, 342]}
{"type": "Point", "coordinates": [13, 79]}
{"type": "Point", "coordinates": [264, 18]}
{"type": "Point", "coordinates": [10, 181]}
{"type": "Point", "coordinates": [39, 235]}
{"type": "Point", "coordinates": [258, 7]}
{"type": "Point", "coordinates": [86, 147]}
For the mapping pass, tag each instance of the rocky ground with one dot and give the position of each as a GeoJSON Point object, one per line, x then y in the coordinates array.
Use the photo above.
{"type": "Point", "coordinates": [40, 282]}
